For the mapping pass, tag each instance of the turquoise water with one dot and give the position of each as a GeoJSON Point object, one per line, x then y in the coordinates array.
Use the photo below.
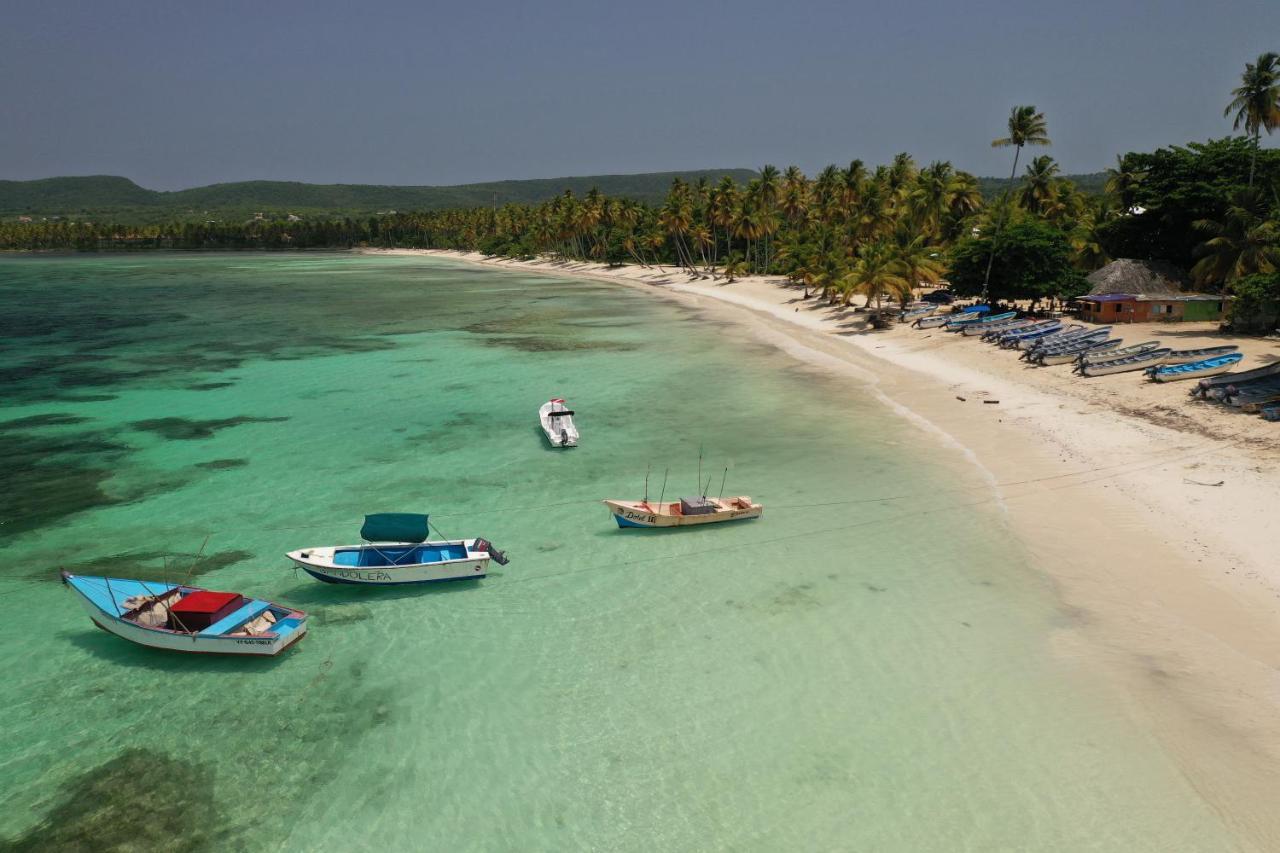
{"type": "Point", "coordinates": [867, 667]}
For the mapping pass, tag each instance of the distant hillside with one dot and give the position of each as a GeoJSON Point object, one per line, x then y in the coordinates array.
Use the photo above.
{"type": "Point", "coordinates": [1091, 184]}
{"type": "Point", "coordinates": [107, 196]}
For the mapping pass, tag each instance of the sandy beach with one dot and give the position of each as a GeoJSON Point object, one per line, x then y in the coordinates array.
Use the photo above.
{"type": "Point", "coordinates": [1148, 512]}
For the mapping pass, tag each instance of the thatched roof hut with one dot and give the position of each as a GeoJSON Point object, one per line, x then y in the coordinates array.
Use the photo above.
{"type": "Point", "coordinates": [1139, 278]}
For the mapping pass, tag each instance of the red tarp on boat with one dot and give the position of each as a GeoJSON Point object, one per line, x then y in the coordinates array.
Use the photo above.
{"type": "Point", "coordinates": [202, 608]}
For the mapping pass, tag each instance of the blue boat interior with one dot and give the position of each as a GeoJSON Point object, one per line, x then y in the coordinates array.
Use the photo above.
{"type": "Point", "coordinates": [109, 594]}
{"type": "Point", "coordinates": [384, 556]}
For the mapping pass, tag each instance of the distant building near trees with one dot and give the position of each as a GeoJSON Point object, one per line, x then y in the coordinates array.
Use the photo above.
{"type": "Point", "coordinates": [1131, 291]}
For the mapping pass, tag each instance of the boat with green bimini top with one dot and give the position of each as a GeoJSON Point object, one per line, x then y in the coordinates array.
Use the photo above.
{"type": "Point", "coordinates": [396, 551]}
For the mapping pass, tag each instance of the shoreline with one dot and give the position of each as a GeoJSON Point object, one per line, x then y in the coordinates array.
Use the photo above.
{"type": "Point", "coordinates": [1167, 583]}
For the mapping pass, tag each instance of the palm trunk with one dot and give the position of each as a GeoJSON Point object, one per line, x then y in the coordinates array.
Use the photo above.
{"type": "Point", "coordinates": [1253, 160]}
{"type": "Point", "coordinates": [991, 258]}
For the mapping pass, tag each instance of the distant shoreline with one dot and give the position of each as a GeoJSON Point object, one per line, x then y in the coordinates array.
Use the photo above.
{"type": "Point", "coordinates": [1107, 484]}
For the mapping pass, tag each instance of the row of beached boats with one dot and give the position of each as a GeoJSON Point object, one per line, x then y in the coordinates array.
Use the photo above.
{"type": "Point", "coordinates": [396, 550]}
{"type": "Point", "coordinates": [1092, 351]}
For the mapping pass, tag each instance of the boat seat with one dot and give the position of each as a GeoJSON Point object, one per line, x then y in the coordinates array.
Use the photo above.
{"type": "Point", "coordinates": [236, 619]}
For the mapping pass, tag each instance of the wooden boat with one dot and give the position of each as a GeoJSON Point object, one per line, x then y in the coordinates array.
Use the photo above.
{"type": "Point", "coordinates": [1037, 338]}
{"type": "Point", "coordinates": [1183, 356]}
{"type": "Point", "coordinates": [1132, 349]}
{"type": "Point", "coordinates": [1097, 346]}
{"type": "Point", "coordinates": [1192, 369]}
{"type": "Point", "coordinates": [914, 313]}
{"type": "Point", "coordinates": [1203, 387]}
{"type": "Point", "coordinates": [1253, 396]}
{"type": "Point", "coordinates": [684, 512]}
{"type": "Point", "coordinates": [957, 324]}
{"type": "Point", "coordinates": [557, 422]}
{"type": "Point", "coordinates": [1035, 330]}
{"type": "Point", "coordinates": [1064, 336]}
{"type": "Point", "coordinates": [187, 618]}
{"type": "Point", "coordinates": [988, 331]}
{"type": "Point", "coordinates": [933, 321]}
{"type": "Point", "coordinates": [1270, 413]}
{"type": "Point", "coordinates": [1052, 344]}
{"type": "Point", "coordinates": [1123, 364]}
{"type": "Point", "coordinates": [397, 551]}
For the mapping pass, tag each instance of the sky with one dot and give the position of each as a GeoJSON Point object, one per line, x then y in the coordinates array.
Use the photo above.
{"type": "Point", "coordinates": [180, 94]}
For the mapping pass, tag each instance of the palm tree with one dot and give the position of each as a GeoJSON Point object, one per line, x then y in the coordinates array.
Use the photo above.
{"type": "Point", "coordinates": [1256, 102]}
{"type": "Point", "coordinates": [1243, 242]}
{"type": "Point", "coordinates": [918, 262]}
{"type": "Point", "coordinates": [1122, 183]}
{"type": "Point", "coordinates": [876, 271]}
{"type": "Point", "coordinates": [768, 187]}
{"type": "Point", "coordinates": [1026, 127]}
{"type": "Point", "coordinates": [1038, 186]}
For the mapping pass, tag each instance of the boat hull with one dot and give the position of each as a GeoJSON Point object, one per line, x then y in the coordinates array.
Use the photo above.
{"type": "Point", "coordinates": [262, 645]}
{"type": "Point", "coordinates": [320, 563]}
{"type": "Point", "coordinates": [638, 514]}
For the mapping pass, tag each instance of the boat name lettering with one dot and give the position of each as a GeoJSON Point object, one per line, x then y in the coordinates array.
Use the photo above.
{"type": "Point", "coordinates": [363, 576]}
{"type": "Point", "coordinates": [254, 642]}
{"type": "Point", "coordinates": [639, 516]}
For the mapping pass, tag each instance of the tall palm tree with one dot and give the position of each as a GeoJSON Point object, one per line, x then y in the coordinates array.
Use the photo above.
{"type": "Point", "coordinates": [1256, 102]}
{"type": "Point", "coordinates": [1122, 183]}
{"type": "Point", "coordinates": [1245, 241]}
{"type": "Point", "coordinates": [1038, 185]}
{"type": "Point", "coordinates": [768, 188]}
{"type": "Point", "coordinates": [876, 271]}
{"type": "Point", "coordinates": [918, 262]}
{"type": "Point", "coordinates": [1026, 127]}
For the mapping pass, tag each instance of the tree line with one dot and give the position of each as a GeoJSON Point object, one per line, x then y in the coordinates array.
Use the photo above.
{"type": "Point", "coordinates": [1212, 208]}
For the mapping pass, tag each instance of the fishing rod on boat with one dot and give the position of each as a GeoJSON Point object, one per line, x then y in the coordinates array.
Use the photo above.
{"type": "Point", "coordinates": [723, 477]}
{"type": "Point", "coordinates": [663, 493]}
{"type": "Point", "coordinates": [699, 483]}
{"type": "Point", "coordinates": [646, 484]}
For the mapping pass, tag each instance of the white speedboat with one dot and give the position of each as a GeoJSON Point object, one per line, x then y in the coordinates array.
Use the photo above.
{"type": "Point", "coordinates": [396, 551]}
{"type": "Point", "coordinates": [557, 423]}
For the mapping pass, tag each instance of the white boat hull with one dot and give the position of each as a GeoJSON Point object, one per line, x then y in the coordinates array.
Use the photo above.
{"type": "Point", "coordinates": [321, 564]}
{"type": "Point", "coordinates": [263, 645]}
{"type": "Point", "coordinates": [557, 424]}
{"type": "Point", "coordinates": [1157, 376]}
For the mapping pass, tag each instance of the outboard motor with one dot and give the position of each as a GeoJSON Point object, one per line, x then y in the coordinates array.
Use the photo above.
{"type": "Point", "coordinates": [494, 554]}
{"type": "Point", "coordinates": [564, 437]}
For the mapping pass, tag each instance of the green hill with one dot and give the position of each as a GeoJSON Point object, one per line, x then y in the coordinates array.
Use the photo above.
{"type": "Point", "coordinates": [1091, 183]}
{"type": "Point", "coordinates": [106, 196]}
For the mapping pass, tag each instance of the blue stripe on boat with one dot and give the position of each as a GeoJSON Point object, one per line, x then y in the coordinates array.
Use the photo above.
{"type": "Point", "coordinates": [332, 579]}
{"type": "Point", "coordinates": [249, 611]}
{"type": "Point", "coordinates": [626, 522]}
{"type": "Point", "coordinates": [367, 557]}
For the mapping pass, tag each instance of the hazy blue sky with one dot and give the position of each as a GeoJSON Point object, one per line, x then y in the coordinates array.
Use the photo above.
{"type": "Point", "coordinates": [176, 94]}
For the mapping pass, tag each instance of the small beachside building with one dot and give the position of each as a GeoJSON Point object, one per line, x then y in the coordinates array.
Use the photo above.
{"type": "Point", "coordinates": [1129, 291]}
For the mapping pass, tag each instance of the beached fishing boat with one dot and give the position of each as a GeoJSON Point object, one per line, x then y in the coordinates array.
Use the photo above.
{"type": "Point", "coordinates": [1123, 352]}
{"type": "Point", "coordinates": [1123, 364]}
{"type": "Point", "coordinates": [1035, 330]}
{"type": "Point", "coordinates": [1193, 369]}
{"type": "Point", "coordinates": [1063, 336]}
{"type": "Point", "coordinates": [933, 321]}
{"type": "Point", "coordinates": [958, 323]}
{"type": "Point", "coordinates": [986, 329]}
{"type": "Point", "coordinates": [186, 618]}
{"type": "Point", "coordinates": [557, 422]}
{"type": "Point", "coordinates": [685, 512]}
{"type": "Point", "coordinates": [916, 312]}
{"type": "Point", "coordinates": [396, 550]}
{"type": "Point", "coordinates": [1059, 342]}
{"type": "Point", "coordinates": [1204, 386]}
{"type": "Point", "coordinates": [1096, 346]}
{"type": "Point", "coordinates": [1037, 336]}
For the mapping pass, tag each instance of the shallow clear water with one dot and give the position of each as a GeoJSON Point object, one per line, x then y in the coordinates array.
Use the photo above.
{"type": "Point", "coordinates": [849, 672]}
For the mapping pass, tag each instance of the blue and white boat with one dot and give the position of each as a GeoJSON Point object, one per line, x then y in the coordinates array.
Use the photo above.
{"type": "Point", "coordinates": [1036, 330]}
{"type": "Point", "coordinates": [396, 551]}
{"type": "Point", "coordinates": [186, 618]}
{"type": "Point", "coordinates": [1194, 369]}
{"type": "Point", "coordinates": [960, 322]}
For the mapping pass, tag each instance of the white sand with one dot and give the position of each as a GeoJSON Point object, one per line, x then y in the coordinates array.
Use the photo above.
{"type": "Point", "coordinates": [1168, 586]}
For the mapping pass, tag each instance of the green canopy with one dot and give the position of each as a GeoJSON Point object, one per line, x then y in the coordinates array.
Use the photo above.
{"type": "Point", "coordinates": [395, 527]}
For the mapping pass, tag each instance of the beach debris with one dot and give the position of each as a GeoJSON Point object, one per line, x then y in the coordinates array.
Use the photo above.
{"type": "Point", "coordinates": [1199, 483]}
{"type": "Point", "coordinates": [990, 402]}
{"type": "Point", "coordinates": [961, 399]}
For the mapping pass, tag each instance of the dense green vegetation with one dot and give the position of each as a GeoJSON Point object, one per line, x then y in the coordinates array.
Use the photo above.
{"type": "Point", "coordinates": [108, 198]}
{"type": "Point", "coordinates": [1212, 208]}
